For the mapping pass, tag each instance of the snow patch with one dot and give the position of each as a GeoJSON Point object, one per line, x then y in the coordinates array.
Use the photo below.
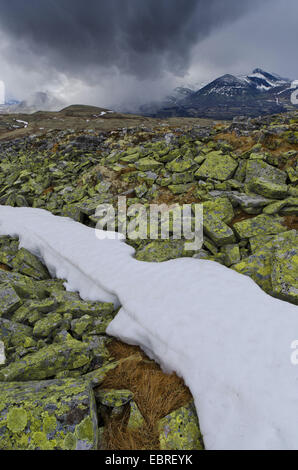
{"type": "Point", "coordinates": [2, 353]}
{"type": "Point", "coordinates": [22, 122]}
{"type": "Point", "coordinates": [216, 328]}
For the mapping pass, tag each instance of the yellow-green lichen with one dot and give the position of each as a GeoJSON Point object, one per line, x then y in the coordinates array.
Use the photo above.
{"type": "Point", "coordinates": [16, 419]}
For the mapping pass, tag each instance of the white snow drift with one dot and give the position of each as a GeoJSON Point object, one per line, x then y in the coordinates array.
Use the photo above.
{"type": "Point", "coordinates": [217, 329]}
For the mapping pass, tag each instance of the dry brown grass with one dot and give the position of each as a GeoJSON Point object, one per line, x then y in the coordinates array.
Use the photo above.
{"type": "Point", "coordinates": [165, 196]}
{"type": "Point", "coordinates": [239, 143]}
{"type": "Point", "coordinates": [291, 221]}
{"type": "Point", "coordinates": [5, 267]}
{"type": "Point", "coordinates": [274, 144]}
{"type": "Point", "coordinates": [156, 394]}
{"type": "Point", "coordinates": [241, 215]}
{"type": "Point", "coordinates": [49, 190]}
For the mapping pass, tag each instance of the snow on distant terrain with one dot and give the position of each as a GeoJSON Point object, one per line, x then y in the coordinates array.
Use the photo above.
{"type": "Point", "coordinates": [216, 328]}
{"type": "Point", "coordinates": [22, 122]}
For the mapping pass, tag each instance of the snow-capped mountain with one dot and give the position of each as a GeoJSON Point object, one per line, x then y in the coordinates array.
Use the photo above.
{"type": "Point", "coordinates": [228, 96]}
{"type": "Point", "coordinates": [265, 81]}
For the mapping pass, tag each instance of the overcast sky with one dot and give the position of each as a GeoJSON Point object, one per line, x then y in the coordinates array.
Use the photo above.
{"type": "Point", "coordinates": [122, 52]}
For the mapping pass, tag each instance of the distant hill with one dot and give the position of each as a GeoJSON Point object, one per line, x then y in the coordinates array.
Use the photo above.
{"type": "Point", "coordinates": [256, 94]}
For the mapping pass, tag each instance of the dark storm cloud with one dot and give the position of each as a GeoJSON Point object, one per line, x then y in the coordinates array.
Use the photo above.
{"type": "Point", "coordinates": [139, 37]}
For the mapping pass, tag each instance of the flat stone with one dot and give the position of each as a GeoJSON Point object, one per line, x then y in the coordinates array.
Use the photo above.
{"type": "Point", "coordinates": [180, 165]}
{"type": "Point", "coordinates": [269, 189]}
{"type": "Point", "coordinates": [219, 167]}
{"type": "Point", "coordinates": [145, 164]}
{"type": "Point", "coordinates": [260, 225]}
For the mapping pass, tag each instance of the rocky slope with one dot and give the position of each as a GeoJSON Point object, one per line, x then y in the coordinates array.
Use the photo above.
{"type": "Point", "coordinates": [61, 383]}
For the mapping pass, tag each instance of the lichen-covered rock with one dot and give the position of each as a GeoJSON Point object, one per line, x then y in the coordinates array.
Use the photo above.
{"type": "Point", "coordinates": [180, 430]}
{"type": "Point", "coordinates": [28, 264]}
{"type": "Point", "coordinates": [249, 203]}
{"type": "Point", "coordinates": [258, 267]}
{"type": "Point", "coordinates": [46, 326]}
{"type": "Point", "coordinates": [179, 188]}
{"type": "Point", "coordinates": [180, 164]}
{"type": "Point", "coordinates": [80, 325]}
{"type": "Point", "coordinates": [48, 415]}
{"type": "Point", "coordinates": [217, 213]}
{"type": "Point", "coordinates": [219, 232]}
{"type": "Point", "coordinates": [136, 419]}
{"type": "Point", "coordinates": [269, 189]}
{"type": "Point", "coordinates": [231, 254]}
{"type": "Point", "coordinates": [17, 332]}
{"type": "Point", "coordinates": [259, 169]}
{"type": "Point", "coordinates": [111, 403]}
{"type": "Point", "coordinates": [220, 208]}
{"type": "Point", "coordinates": [70, 302]}
{"type": "Point", "coordinates": [271, 266]}
{"type": "Point", "coordinates": [91, 325]}
{"type": "Point", "coordinates": [284, 273]}
{"type": "Point", "coordinates": [47, 362]}
{"type": "Point", "coordinates": [147, 163]}
{"type": "Point", "coordinates": [113, 398]}
{"type": "Point", "coordinates": [162, 250]}
{"type": "Point", "coordinates": [293, 175]}
{"type": "Point", "coordinates": [260, 225]}
{"type": "Point", "coordinates": [275, 207]}
{"type": "Point", "coordinates": [25, 287]}
{"type": "Point", "coordinates": [9, 299]}
{"type": "Point", "coordinates": [141, 190]}
{"type": "Point", "coordinates": [219, 167]}
{"type": "Point", "coordinates": [182, 178]}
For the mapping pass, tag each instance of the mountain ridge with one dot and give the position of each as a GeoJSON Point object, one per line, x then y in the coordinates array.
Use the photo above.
{"type": "Point", "coordinates": [228, 96]}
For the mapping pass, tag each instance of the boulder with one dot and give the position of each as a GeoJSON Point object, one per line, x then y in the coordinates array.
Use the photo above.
{"type": "Point", "coordinates": [180, 430]}
{"type": "Point", "coordinates": [260, 225]}
{"type": "Point", "coordinates": [219, 167]}
{"type": "Point", "coordinates": [48, 415]}
{"type": "Point", "coordinates": [259, 169]}
{"type": "Point", "coordinates": [269, 189]}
